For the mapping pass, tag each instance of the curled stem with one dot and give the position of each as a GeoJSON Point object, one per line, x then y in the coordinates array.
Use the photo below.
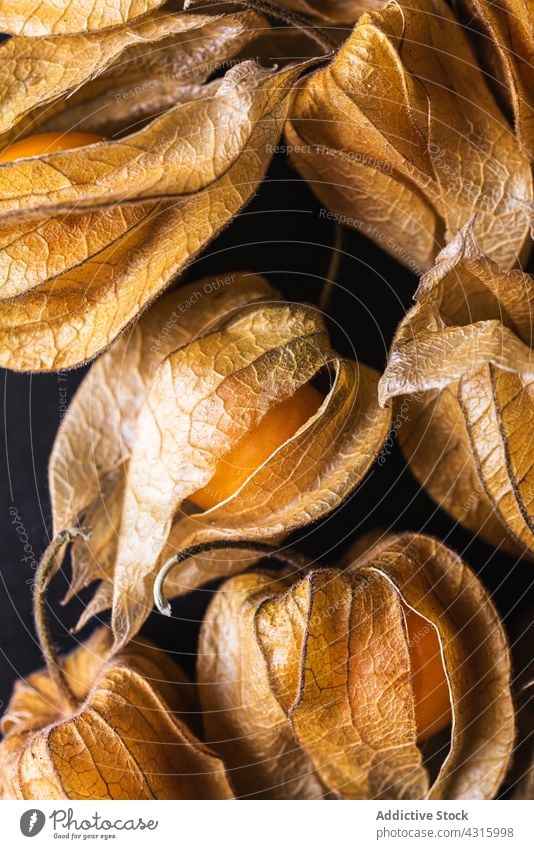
{"type": "Point", "coordinates": [293, 19]}
{"type": "Point", "coordinates": [44, 573]}
{"type": "Point", "coordinates": [333, 269]}
{"type": "Point", "coordinates": [289, 558]}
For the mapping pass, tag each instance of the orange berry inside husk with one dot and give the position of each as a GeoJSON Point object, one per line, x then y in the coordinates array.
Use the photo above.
{"type": "Point", "coordinates": [429, 681]}
{"type": "Point", "coordinates": [47, 143]}
{"type": "Point", "coordinates": [253, 449]}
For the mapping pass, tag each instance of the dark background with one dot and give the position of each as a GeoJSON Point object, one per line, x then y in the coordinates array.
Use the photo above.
{"type": "Point", "coordinates": [280, 234]}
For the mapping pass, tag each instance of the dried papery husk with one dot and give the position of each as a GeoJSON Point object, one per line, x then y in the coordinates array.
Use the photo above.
{"type": "Point", "coordinates": [333, 11]}
{"type": "Point", "coordinates": [305, 678]}
{"type": "Point", "coordinates": [88, 727]}
{"type": "Point", "coordinates": [520, 779]}
{"type": "Point", "coordinates": [202, 412]}
{"type": "Point", "coordinates": [463, 357]}
{"type": "Point", "coordinates": [506, 44]}
{"type": "Point", "coordinates": [328, 11]}
{"type": "Point", "coordinates": [128, 739]}
{"type": "Point", "coordinates": [401, 138]}
{"type": "Point", "coordinates": [90, 236]}
{"type": "Point", "coordinates": [61, 17]}
{"type": "Point", "coordinates": [151, 421]}
{"type": "Point", "coordinates": [440, 587]}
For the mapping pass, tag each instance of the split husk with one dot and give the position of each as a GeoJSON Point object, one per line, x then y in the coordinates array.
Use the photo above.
{"type": "Point", "coordinates": [305, 677]}
{"type": "Point", "coordinates": [326, 11]}
{"type": "Point", "coordinates": [463, 357]}
{"type": "Point", "coordinates": [157, 412]}
{"type": "Point", "coordinates": [507, 48]}
{"type": "Point", "coordinates": [62, 17]}
{"type": "Point", "coordinates": [90, 236]}
{"type": "Point", "coordinates": [401, 138]}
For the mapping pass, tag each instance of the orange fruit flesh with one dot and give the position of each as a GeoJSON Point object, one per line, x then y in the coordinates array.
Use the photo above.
{"type": "Point", "coordinates": [277, 425]}
{"type": "Point", "coordinates": [431, 692]}
{"type": "Point", "coordinates": [429, 682]}
{"type": "Point", "coordinates": [47, 143]}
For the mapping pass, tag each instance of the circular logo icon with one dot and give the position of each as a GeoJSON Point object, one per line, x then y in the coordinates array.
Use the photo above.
{"type": "Point", "coordinates": [32, 822]}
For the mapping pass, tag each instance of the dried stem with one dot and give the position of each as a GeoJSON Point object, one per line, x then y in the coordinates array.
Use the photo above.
{"type": "Point", "coordinates": [293, 19]}
{"type": "Point", "coordinates": [333, 269]}
{"type": "Point", "coordinates": [44, 573]}
{"type": "Point", "coordinates": [289, 558]}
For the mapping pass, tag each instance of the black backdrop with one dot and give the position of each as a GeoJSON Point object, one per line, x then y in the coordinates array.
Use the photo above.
{"type": "Point", "coordinates": [283, 235]}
